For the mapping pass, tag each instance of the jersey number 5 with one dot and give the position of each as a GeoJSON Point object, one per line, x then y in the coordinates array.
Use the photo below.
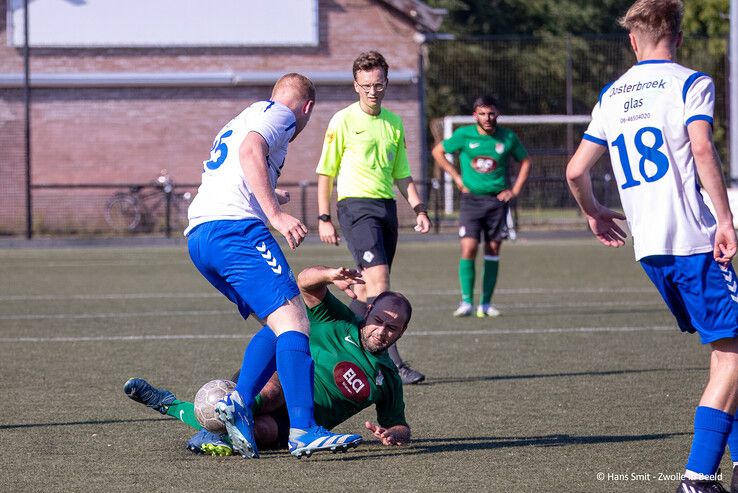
{"type": "Point", "coordinates": [218, 152]}
{"type": "Point", "coordinates": [647, 154]}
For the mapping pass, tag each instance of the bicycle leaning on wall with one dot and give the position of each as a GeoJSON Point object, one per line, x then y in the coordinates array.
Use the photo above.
{"type": "Point", "coordinates": [142, 206]}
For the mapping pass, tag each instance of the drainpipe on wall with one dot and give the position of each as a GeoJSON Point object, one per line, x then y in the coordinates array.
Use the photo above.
{"type": "Point", "coordinates": [27, 104]}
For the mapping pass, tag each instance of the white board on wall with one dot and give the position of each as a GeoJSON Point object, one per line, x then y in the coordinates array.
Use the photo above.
{"type": "Point", "coordinates": [164, 23]}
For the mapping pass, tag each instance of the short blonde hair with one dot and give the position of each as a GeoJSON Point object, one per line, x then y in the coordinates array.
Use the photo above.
{"type": "Point", "coordinates": [656, 19]}
{"type": "Point", "coordinates": [298, 84]}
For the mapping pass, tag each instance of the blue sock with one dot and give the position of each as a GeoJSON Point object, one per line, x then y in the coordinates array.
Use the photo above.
{"type": "Point", "coordinates": [711, 429]}
{"type": "Point", "coordinates": [258, 365]}
{"type": "Point", "coordinates": [295, 369]}
{"type": "Point", "coordinates": [733, 440]}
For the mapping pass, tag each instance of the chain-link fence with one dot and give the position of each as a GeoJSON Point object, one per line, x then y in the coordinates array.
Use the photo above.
{"type": "Point", "coordinates": [545, 76]}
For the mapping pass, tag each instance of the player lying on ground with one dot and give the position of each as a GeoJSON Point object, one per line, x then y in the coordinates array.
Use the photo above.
{"type": "Point", "coordinates": [352, 370]}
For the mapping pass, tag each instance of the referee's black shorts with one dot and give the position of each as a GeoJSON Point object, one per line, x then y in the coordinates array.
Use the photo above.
{"type": "Point", "coordinates": [369, 227]}
{"type": "Point", "coordinates": [483, 214]}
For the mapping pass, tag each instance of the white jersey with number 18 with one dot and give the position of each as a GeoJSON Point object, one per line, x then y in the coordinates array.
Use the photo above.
{"type": "Point", "coordinates": [642, 119]}
{"type": "Point", "coordinates": [224, 193]}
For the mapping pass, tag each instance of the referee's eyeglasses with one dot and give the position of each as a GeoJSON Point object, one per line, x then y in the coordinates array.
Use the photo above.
{"type": "Point", "coordinates": [377, 87]}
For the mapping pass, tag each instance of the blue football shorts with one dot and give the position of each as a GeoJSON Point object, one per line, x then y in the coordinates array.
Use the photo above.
{"type": "Point", "coordinates": [701, 293]}
{"type": "Point", "coordinates": [244, 262]}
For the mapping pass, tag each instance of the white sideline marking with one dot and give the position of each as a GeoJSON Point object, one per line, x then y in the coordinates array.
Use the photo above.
{"type": "Point", "coordinates": [125, 338]}
{"type": "Point", "coordinates": [432, 333]}
{"type": "Point", "coordinates": [535, 290]}
{"type": "Point", "coordinates": [563, 330]}
{"type": "Point", "coordinates": [657, 303]}
{"type": "Point", "coordinates": [78, 316]}
{"type": "Point", "coordinates": [143, 296]}
{"type": "Point", "coordinates": [89, 263]}
{"type": "Point", "coordinates": [121, 296]}
{"type": "Point", "coordinates": [190, 313]}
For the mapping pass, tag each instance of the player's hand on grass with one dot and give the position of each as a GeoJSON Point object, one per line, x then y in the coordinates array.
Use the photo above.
{"type": "Point", "coordinates": [422, 223]}
{"type": "Point", "coordinates": [604, 227]}
{"type": "Point", "coordinates": [327, 233]}
{"type": "Point", "coordinates": [344, 278]}
{"type": "Point", "coordinates": [283, 196]}
{"type": "Point", "coordinates": [725, 243]}
{"type": "Point", "coordinates": [384, 435]}
{"type": "Point", "coordinates": [290, 227]}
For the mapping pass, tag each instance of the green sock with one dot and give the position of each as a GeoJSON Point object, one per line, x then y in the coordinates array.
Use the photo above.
{"type": "Point", "coordinates": [466, 279]}
{"type": "Point", "coordinates": [489, 278]}
{"type": "Point", "coordinates": [185, 412]}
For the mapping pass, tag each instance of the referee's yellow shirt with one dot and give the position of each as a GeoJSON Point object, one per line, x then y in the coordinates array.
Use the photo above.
{"type": "Point", "coordinates": [367, 153]}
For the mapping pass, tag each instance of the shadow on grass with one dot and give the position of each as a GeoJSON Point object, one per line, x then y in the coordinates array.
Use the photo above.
{"type": "Point", "coordinates": [547, 312]}
{"type": "Point", "coordinates": [469, 444]}
{"type": "Point", "coordinates": [435, 445]}
{"type": "Point", "coordinates": [81, 423]}
{"type": "Point", "coordinates": [531, 376]}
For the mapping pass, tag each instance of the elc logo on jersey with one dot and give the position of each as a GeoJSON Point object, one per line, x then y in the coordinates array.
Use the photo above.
{"type": "Point", "coordinates": [484, 164]}
{"type": "Point", "coordinates": [351, 381]}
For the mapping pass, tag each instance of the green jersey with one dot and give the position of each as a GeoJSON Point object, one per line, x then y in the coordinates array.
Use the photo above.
{"type": "Point", "coordinates": [366, 152]}
{"type": "Point", "coordinates": [485, 158]}
{"type": "Point", "coordinates": [348, 378]}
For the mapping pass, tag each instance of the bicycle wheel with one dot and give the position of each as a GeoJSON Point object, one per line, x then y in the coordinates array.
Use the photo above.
{"type": "Point", "coordinates": [123, 213]}
{"type": "Point", "coordinates": [180, 206]}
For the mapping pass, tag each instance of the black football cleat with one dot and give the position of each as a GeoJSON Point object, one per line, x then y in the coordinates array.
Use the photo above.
{"type": "Point", "coordinates": [142, 391]}
{"type": "Point", "coordinates": [700, 486]}
{"type": "Point", "coordinates": [409, 375]}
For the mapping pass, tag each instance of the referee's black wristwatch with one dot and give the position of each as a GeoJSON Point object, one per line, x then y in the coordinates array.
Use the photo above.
{"type": "Point", "coordinates": [326, 218]}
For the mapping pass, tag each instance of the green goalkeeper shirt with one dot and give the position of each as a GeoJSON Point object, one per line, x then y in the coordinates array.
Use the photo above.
{"type": "Point", "coordinates": [348, 378]}
{"type": "Point", "coordinates": [484, 159]}
{"type": "Point", "coordinates": [366, 152]}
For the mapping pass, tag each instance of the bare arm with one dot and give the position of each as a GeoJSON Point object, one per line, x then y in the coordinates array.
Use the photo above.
{"type": "Point", "coordinates": [510, 193]}
{"type": "Point", "coordinates": [394, 435]}
{"type": "Point", "coordinates": [283, 196]}
{"type": "Point", "coordinates": [313, 282]}
{"type": "Point", "coordinates": [272, 397]}
{"type": "Point", "coordinates": [708, 166]}
{"type": "Point", "coordinates": [439, 155]}
{"type": "Point", "coordinates": [600, 218]}
{"type": "Point", "coordinates": [522, 178]}
{"type": "Point", "coordinates": [326, 230]}
{"type": "Point", "coordinates": [252, 153]}
{"type": "Point", "coordinates": [407, 189]}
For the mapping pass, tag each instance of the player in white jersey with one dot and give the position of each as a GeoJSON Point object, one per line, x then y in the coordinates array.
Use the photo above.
{"type": "Point", "coordinates": [656, 121]}
{"type": "Point", "coordinates": [230, 245]}
{"type": "Point", "coordinates": [224, 193]}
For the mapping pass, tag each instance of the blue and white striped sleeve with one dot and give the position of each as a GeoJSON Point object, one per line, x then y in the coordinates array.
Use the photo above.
{"type": "Point", "coordinates": [596, 132]}
{"type": "Point", "coordinates": [699, 98]}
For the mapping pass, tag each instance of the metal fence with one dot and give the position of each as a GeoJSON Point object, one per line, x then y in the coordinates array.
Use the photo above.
{"type": "Point", "coordinates": [154, 208]}
{"type": "Point", "coordinates": [544, 76]}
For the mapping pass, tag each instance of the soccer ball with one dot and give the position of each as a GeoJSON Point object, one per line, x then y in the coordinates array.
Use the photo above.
{"type": "Point", "coordinates": [206, 399]}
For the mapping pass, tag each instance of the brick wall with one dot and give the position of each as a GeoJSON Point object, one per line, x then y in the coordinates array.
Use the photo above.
{"type": "Point", "coordinates": [128, 135]}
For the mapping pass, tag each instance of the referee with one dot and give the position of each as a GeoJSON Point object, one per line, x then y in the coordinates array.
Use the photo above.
{"type": "Point", "coordinates": [364, 149]}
